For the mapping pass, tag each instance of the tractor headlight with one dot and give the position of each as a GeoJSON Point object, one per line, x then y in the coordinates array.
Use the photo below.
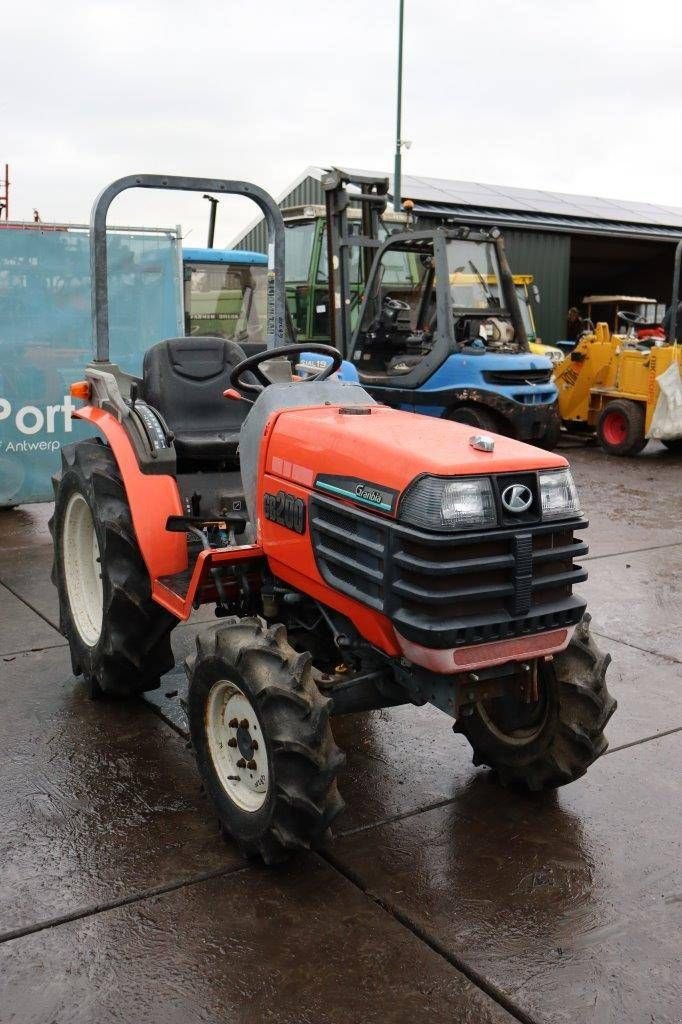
{"type": "Point", "coordinates": [558, 494]}
{"type": "Point", "coordinates": [435, 503]}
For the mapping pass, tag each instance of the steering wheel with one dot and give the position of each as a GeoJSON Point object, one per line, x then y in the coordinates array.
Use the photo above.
{"type": "Point", "coordinates": [629, 317]}
{"type": "Point", "coordinates": [252, 365]}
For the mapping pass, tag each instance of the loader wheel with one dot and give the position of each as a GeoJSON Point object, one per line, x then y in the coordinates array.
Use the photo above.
{"type": "Point", "coordinates": [119, 638]}
{"type": "Point", "coordinates": [554, 740]}
{"type": "Point", "coordinates": [620, 428]}
{"type": "Point", "coordinates": [261, 736]}
{"type": "Point", "coordinates": [475, 416]}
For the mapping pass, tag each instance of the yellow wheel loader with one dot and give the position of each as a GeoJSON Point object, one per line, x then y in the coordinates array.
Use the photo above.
{"type": "Point", "coordinates": [610, 383]}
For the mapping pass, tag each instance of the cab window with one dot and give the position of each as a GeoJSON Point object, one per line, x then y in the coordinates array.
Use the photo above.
{"type": "Point", "coordinates": [225, 301]}
{"type": "Point", "coordinates": [298, 250]}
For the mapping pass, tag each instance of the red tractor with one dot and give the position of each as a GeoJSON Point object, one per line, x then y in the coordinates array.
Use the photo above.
{"type": "Point", "coordinates": [358, 557]}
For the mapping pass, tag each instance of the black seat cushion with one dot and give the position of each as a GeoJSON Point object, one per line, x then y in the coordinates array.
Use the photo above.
{"type": "Point", "coordinates": [184, 378]}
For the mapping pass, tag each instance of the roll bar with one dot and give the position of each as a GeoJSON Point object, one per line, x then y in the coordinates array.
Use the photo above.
{"type": "Point", "coordinates": [276, 295]}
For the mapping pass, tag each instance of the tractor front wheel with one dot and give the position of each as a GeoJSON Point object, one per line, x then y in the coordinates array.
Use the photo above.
{"type": "Point", "coordinates": [118, 637]}
{"type": "Point", "coordinates": [620, 428]}
{"type": "Point", "coordinates": [553, 740]}
{"type": "Point", "coordinates": [262, 740]}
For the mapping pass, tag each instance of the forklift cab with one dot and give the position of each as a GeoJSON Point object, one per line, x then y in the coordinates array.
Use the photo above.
{"type": "Point", "coordinates": [459, 301]}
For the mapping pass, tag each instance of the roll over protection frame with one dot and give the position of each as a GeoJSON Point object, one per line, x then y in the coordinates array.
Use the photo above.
{"type": "Point", "coordinates": [276, 296]}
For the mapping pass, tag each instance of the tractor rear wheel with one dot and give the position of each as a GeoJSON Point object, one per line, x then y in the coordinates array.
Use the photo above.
{"type": "Point", "coordinates": [262, 740]}
{"type": "Point", "coordinates": [475, 416]}
{"type": "Point", "coordinates": [119, 638]}
{"type": "Point", "coordinates": [620, 428]}
{"type": "Point", "coordinates": [553, 740]}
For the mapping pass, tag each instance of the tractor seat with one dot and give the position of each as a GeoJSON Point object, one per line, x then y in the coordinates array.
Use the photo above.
{"type": "Point", "coordinates": [184, 379]}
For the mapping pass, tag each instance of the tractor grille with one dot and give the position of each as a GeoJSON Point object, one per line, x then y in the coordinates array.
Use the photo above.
{"type": "Point", "coordinates": [510, 378]}
{"type": "Point", "coordinates": [350, 549]}
{"type": "Point", "coordinates": [451, 590]}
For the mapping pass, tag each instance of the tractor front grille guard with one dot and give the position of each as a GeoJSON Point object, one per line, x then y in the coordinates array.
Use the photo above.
{"type": "Point", "coordinates": [452, 590]}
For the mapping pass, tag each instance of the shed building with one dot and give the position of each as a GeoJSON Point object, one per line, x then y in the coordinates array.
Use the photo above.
{"type": "Point", "coordinates": [572, 245]}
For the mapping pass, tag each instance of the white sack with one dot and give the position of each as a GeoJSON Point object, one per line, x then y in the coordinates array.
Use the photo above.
{"type": "Point", "coordinates": [666, 424]}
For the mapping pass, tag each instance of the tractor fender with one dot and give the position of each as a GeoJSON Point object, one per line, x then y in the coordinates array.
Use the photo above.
{"type": "Point", "coordinates": [152, 498]}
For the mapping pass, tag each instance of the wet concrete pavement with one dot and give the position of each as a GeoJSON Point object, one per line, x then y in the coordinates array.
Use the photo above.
{"type": "Point", "coordinates": [569, 905]}
{"type": "Point", "coordinates": [440, 896]}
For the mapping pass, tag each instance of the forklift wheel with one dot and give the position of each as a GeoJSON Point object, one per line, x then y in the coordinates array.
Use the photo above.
{"type": "Point", "coordinates": [620, 428]}
{"type": "Point", "coordinates": [118, 637]}
{"type": "Point", "coordinates": [261, 736]}
{"type": "Point", "coordinates": [551, 741]}
{"type": "Point", "coordinates": [475, 416]}
{"type": "Point", "coordinates": [551, 437]}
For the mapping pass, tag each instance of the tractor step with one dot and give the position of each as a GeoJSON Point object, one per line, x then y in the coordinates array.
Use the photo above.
{"type": "Point", "coordinates": [188, 524]}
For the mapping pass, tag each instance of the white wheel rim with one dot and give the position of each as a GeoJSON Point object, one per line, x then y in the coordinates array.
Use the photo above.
{"type": "Point", "coordinates": [82, 569]}
{"type": "Point", "coordinates": [236, 745]}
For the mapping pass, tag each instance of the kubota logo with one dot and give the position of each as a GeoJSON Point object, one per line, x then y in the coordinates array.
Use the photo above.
{"type": "Point", "coordinates": [517, 498]}
{"type": "Point", "coordinates": [31, 419]}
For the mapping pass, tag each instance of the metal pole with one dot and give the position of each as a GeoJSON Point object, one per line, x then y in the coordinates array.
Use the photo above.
{"type": "Point", "coordinates": [397, 186]}
{"type": "Point", "coordinates": [211, 220]}
{"type": "Point", "coordinates": [4, 206]}
{"type": "Point", "coordinates": [332, 265]}
{"type": "Point", "coordinates": [676, 293]}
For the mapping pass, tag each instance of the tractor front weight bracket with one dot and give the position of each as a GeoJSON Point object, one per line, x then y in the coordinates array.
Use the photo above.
{"type": "Point", "coordinates": [454, 694]}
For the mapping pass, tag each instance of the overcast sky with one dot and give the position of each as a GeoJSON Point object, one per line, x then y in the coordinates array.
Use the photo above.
{"type": "Point", "coordinates": [578, 97]}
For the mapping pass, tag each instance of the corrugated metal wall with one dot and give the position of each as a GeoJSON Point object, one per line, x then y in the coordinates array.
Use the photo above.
{"type": "Point", "coordinates": [309, 191]}
{"type": "Point", "coordinates": [547, 258]}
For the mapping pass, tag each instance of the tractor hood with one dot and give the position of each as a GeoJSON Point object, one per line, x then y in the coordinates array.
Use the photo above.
{"type": "Point", "coordinates": [374, 444]}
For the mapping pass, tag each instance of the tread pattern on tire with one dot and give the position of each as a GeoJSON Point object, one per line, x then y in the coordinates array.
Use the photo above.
{"type": "Point", "coordinates": [584, 707]}
{"type": "Point", "coordinates": [134, 650]}
{"type": "Point", "coordinates": [304, 759]}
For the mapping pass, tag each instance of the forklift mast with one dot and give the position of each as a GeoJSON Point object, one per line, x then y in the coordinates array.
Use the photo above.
{"type": "Point", "coordinates": [373, 202]}
{"type": "Point", "coordinates": [372, 197]}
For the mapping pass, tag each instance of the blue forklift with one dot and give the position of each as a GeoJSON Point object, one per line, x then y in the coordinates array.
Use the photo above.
{"type": "Point", "coordinates": [426, 315]}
